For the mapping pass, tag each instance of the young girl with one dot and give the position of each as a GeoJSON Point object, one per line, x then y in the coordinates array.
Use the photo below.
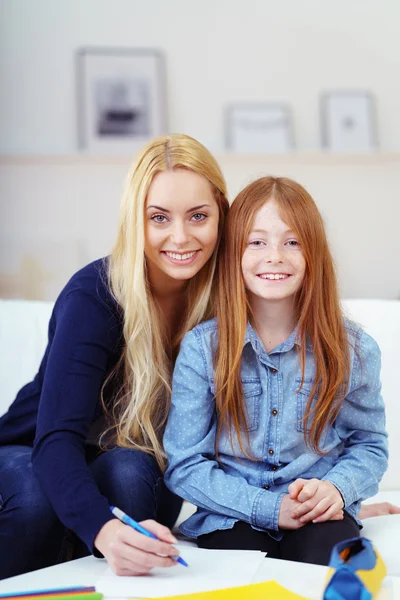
{"type": "Point", "coordinates": [87, 431]}
{"type": "Point", "coordinates": [277, 425]}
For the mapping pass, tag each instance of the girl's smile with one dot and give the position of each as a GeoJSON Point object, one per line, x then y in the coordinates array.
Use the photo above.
{"type": "Point", "coordinates": [274, 276]}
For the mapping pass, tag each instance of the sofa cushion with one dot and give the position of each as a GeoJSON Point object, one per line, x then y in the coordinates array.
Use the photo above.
{"type": "Point", "coordinates": [23, 339]}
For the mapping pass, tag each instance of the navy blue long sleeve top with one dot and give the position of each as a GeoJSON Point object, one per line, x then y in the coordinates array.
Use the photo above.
{"type": "Point", "coordinates": [57, 410]}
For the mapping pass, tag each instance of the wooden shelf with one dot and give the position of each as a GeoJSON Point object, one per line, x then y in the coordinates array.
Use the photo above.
{"type": "Point", "coordinates": [294, 158]}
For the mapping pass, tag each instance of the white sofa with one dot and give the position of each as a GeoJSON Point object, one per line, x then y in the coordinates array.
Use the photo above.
{"type": "Point", "coordinates": [23, 336]}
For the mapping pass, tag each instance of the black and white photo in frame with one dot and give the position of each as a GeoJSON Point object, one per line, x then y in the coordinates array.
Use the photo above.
{"type": "Point", "coordinates": [121, 98]}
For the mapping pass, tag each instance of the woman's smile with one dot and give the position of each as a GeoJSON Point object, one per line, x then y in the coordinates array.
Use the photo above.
{"type": "Point", "coordinates": [181, 258]}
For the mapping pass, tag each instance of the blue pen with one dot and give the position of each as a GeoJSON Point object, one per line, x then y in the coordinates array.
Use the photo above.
{"type": "Point", "coordinates": [132, 523]}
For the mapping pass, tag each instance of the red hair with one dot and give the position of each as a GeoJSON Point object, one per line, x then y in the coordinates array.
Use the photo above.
{"type": "Point", "coordinates": [318, 313]}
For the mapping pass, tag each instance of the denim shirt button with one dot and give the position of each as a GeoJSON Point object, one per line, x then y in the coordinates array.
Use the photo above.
{"type": "Point", "coordinates": [274, 371]}
{"type": "Point", "coordinates": [270, 452]}
{"type": "Point", "coordinates": [266, 486]}
{"type": "Point", "coordinates": [274, 467]}
{"type": "Point", "coordinates": [274, 411]}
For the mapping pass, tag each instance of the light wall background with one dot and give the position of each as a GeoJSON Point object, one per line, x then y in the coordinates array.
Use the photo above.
{"type": "Point", "coordinates": [59, 209]}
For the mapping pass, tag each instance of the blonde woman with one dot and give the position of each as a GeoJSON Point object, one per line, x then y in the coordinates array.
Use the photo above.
{"type": "Point", "coordinates": [86, 432]}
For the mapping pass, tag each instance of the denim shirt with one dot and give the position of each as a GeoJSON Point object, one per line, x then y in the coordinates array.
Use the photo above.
{"type": "Point", "coordinates": [236, 488]}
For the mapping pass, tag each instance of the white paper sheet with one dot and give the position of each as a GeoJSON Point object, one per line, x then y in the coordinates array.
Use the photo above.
{"type": "Point", "coordinates": [208, 570]}
{"type": "Point", "coordinates": [395, 585]}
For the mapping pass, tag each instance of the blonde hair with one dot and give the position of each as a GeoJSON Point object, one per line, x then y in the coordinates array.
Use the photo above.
{"type": "Point", "coordinates": [143, 372]}
{"type": "Point", "coordinates": [318, 312]}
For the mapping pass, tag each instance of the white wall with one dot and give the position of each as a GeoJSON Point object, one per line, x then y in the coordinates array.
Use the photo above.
{"type": "Point", "coordinates": [217, 51]}
{"type": "Point", "coordinates": [58, 213]}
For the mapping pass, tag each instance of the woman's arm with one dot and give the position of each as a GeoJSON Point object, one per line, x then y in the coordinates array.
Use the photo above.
{"type": "Point", "coordinates": [378, 509]}
{"type": "Point", "coordinates": [85, 343]}
{"type": "Point", "coordinates": [82, 347]}
{"type": "Point", "coordinates": [189, 441]}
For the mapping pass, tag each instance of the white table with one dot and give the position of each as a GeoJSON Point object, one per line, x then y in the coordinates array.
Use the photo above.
{"type": "Point", "coordinates": [305, 579]}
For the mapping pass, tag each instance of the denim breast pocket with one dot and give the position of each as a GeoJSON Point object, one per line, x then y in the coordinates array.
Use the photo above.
{"type": "Point", "coordinates": [252, 395]}
{"type": "Point", "coordinates": [301, 402]}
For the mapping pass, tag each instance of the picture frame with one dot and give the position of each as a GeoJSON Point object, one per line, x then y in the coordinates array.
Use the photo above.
{"type": "Point", "coordinates": [348, 122]}
{"type": "Point", "coordinates": [259, 128]}
{"type": "Point", "coordinates": [121, 98]}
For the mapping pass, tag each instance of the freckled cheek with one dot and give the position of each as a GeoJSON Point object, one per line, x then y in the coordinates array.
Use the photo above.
{"type": "Point", "coordinates": [248, 264]}
{"type": "Point", "coordinates": [246, 271]}
{"type": "Point", "coordinates": [301, 273]}
{"type": "Point", "coordinates": [301, 268]}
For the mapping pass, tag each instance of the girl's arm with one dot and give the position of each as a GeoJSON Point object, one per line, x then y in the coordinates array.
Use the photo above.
{"type": "Point", "coordinates": [189, 441]}
{"type": "Point", "coordinates": [361, 425]}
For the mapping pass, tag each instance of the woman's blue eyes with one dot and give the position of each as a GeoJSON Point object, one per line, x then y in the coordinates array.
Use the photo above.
{"type": "Point", "coordinates": [197, 217]}
{"type": "Point", "coordinates": [159, 218]}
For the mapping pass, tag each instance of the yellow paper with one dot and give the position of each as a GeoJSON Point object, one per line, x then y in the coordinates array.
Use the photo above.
{"type": "Point", "coordinates": [256, 591]}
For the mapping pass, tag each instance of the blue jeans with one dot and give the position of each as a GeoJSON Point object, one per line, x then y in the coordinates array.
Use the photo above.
{"type": "Point", "coordinates": [31, 535]}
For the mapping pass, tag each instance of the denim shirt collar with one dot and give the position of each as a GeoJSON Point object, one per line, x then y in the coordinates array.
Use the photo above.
{"type": "Point", "coordinates": [252, 338]}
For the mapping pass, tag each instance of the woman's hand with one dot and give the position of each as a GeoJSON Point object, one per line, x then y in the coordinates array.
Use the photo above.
{"type": "Point", "coordinates": [319, 500]}
{"type": "Point", "coordinates": [129, 552]}
{"type": "Point", "coordinates": [378, 509]}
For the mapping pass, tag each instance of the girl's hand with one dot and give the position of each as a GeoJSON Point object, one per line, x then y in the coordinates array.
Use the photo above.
{"type": "Point", "coordinates": [285, 520]}
{"type": "Point", "coordinates": [129, 552]}
{"type": "Point", "coordinates": [320, 500]}
{"type": "Point", "coordinates": [288, 505]}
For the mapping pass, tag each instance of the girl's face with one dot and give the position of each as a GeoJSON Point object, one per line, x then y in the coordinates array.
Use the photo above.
{"type": "Point", "coordinates": [181, 225]}
{"type": "Point", "coordinates": [273, 264]}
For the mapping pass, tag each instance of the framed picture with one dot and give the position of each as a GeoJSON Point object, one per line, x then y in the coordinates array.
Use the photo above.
{"type": "Point", "coordinates": [258, 128]}
{"type": "Point", "coordinates": [121, 98]}
{"type": "Point", "coordinates": [348, 121]}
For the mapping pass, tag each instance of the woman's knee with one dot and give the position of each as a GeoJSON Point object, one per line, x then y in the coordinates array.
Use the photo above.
{"type": "Point", "coordinates": [123, 466]}
{"type": "Point", "coordinates": [21, 496]}
{"type": "Point", "coordinates": [27, 515]}
{"type": "Point", "coordinates": [129, 479]}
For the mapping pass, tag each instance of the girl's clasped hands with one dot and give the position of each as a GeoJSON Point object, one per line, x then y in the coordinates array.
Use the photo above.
{"type": "Point", "coordinates": [310, 500]}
